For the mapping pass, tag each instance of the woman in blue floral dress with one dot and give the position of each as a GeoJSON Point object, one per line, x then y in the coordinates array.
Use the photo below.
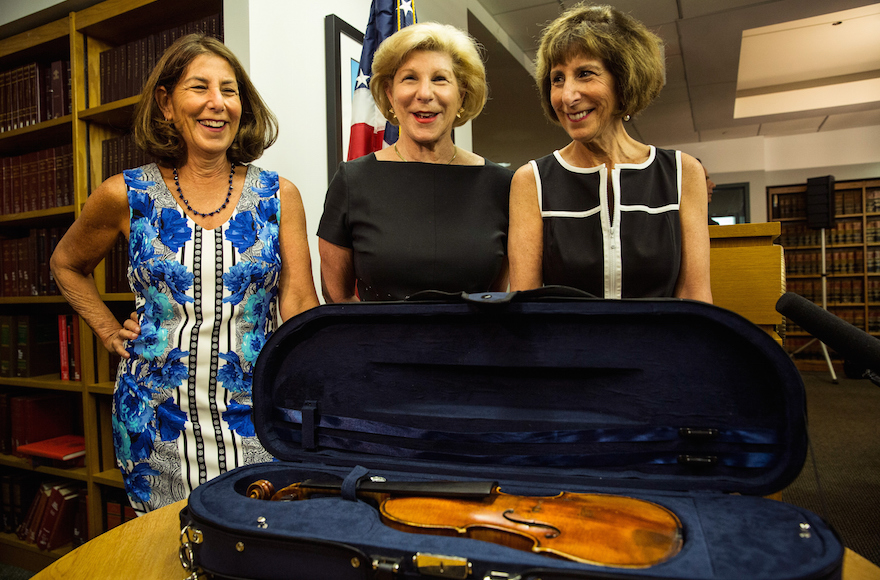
{"type": "Point", "coordinates": [218, 253]}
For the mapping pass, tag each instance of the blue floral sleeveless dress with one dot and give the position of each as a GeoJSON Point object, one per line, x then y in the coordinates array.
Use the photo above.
{"type": "Point", "coordinates": [207, 302]}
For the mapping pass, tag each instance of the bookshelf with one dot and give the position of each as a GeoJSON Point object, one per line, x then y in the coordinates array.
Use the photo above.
{"type": "Point", "coordinates": [852, 256]}
{"type": "Point", "coordinates": [85, 39]}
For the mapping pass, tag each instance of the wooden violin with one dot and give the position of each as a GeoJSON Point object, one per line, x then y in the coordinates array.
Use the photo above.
{"type": "Point", "coordinates": [592, 528]}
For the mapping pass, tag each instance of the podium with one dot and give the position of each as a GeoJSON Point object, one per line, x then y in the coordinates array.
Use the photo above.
{"type": "Point", "coordinates": [747, 272]}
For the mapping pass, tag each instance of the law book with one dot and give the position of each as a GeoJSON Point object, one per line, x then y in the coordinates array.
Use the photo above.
{"type": "Point", "coordinates": [113, 512]}
{"type": "Point", "coordinates": [39, 417]}
{"type": "Point", "coordinates": [76, 370]}
{"type": "Point", "coordinates": [63, 451]}
{"type": "Point", "coordinates": [81, 521]}
{"type": "Point", "coordinates": [36, 346]}
{"type": "Point", "coordinates": [59, 88]}
{"type": "Point", "coordinates": [24, 488]}
{"type": "Point", "coordinates": [5, 424]}
{"type": "Point", "coordinates": [56, 528]}
{"type": "Point", "coordinates": [6, 171]}
{"type": "Point", "coordinates": [15, 198]}
{"type": "Point", "coordinates": [29, 528]}
{"type": "Point", "coordinates": [44, 494]}
{"type": "Point", "coordinates": [62, 347]}
{"type": "Point", "coordinates": [7, 344]}
{"type": "Point", "coordinates": [6, 498]}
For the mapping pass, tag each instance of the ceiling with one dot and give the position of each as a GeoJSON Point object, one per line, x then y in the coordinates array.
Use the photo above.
{"type": "Point", "coordinates": [703, 45]}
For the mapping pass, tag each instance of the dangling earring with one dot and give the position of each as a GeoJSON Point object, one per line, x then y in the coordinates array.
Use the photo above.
{"type": "Point", "coordinates": [626, 118]}
{"type": "Point", "coordinates": [391, 112]}
{"type": "Point", "coordinates": [460, 111]}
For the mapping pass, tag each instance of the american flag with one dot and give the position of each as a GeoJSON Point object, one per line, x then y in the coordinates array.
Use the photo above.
{"type": "Point", "coordinates": [369, 129]}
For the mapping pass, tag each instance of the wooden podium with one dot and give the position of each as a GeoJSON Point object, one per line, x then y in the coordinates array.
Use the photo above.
{"type": "Point", "coordinates": [748, 272]}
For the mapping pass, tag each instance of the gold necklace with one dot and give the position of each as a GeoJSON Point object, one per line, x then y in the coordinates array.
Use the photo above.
{"type": "Point", "coordinates": [454, 154]}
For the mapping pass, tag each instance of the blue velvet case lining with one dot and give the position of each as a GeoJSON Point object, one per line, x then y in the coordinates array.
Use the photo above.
{"type": "Point", "coordinates": [666, 400]}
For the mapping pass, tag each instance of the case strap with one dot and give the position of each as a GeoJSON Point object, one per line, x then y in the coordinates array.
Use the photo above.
{"type": "Point", "coordinates": [351, 481]}
{"type": "Point", "coordinates": [622, 459]}
{"type": "Point", "coordinates": [307, 419]}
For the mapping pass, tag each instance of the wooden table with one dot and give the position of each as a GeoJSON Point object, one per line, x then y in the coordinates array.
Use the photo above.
{"type": "Point", "coordinates": [147, 548]}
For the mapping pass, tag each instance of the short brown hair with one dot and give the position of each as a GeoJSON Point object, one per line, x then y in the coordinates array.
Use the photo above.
{"type": "Point", "coordinates": [467, 66]}
{"type": "Point", "coordinates": [257, 131]}
{"type": "Point", "coordinates": [631, 53]}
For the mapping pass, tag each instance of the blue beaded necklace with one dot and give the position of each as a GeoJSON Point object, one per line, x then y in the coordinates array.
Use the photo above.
{"type": "Point", "coordinates": [216, 211]}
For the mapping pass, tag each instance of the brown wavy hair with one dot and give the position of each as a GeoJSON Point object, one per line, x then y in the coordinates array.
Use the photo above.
{"type": "Point", "coordinates": [257, 130]}
{"type": "Point", "coordinates": [632, 54]}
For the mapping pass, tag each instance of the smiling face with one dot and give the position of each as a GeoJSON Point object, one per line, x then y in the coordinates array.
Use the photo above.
{"type": "Point", "coordinates": [425, 96]}
{"type": "Point", "coordinates": [583, 96]}
{"type": "Point", "coordinates": [205, 105]}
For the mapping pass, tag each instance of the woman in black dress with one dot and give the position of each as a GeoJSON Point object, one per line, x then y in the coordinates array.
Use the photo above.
{"type": "Point", "coordinates": [607, 214]}
{"type": "Point", "coordinates": [421, 214]}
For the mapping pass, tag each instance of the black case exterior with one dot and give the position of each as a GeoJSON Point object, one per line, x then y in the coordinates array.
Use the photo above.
{"type": "Point", "coordinates": [680, 403]}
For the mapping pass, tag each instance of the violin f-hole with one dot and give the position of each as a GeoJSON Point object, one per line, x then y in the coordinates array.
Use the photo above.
{"type": "Point", "coordinates": [553, 533]}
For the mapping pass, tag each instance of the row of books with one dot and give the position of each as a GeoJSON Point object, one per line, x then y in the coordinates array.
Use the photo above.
{"type": "Point", "coordinates": [838, 290]}
{"type": "Point", "coordinates": [24, 263]}
{"type": "Point", "coordinates": [810, 263]}
{"type": "Point", "coordinates": [124, 69]}
{"type": "Point", "coordinates": [847, 201]}
{"type": "Point", "coordinates": [843, 232]}
{"type": "Point", "coordinates": [29, 345]}
{"type": "Point", "coordinates": [855, 316]}
{"type": "Point", "coordinates": [33, 93]}
{"type": "Point", "coordinates": [872, 200]}
{"type": "Point", "coordinates": [116, 268]}
{"type": "Point", "coordinates": [794, 205]}
{"type": "Point", "coordinates": [27, 418]}
{"type": "Point", "coordinates": [121, 153]}
{"type": "Point", "coordinates": [55, 515]}
{"type": "Point", "coordinates": [37, 180]}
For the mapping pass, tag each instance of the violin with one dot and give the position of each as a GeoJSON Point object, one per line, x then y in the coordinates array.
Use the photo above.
{"type": "Point", "coordinates": [591, 528]}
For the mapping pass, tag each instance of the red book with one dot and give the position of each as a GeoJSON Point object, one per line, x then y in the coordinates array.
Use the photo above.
{"type": "Point", "coordinates": [62, 347]}
{"type": "Point", "coordinates": [63, 451]}
{"type": "Point", "coordinates": [56, 528]}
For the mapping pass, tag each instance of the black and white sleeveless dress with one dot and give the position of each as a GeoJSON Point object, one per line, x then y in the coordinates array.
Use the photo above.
{"type": "Point", "coordinates": [631, 249]}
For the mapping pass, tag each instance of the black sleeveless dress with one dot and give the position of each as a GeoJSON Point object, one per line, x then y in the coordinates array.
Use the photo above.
{"type": "Point", "coordinates": [631, 250]}
{"type": "Point", "coordinates": [419, 226]}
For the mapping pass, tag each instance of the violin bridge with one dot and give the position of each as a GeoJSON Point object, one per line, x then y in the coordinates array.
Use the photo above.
{"type": "Point", "coordinates": [442, 566]}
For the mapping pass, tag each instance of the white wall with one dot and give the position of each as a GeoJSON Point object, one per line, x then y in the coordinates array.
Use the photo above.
{"type": "Point", "coordinates": [14, 9]}
{"type": "Point", "coordinates": [284, 46]}
{"type": "Point", "coordinates": [767, 161]}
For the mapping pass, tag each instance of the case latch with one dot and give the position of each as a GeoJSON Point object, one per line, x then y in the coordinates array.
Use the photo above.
{"type": "Point", "coordinates": [442, 566]}
{"type": "Point", "coordinates": [385, 568]}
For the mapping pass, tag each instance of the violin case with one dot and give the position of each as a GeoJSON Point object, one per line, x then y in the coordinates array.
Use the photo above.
{"type": "Point", "coordinates": [680, 403]}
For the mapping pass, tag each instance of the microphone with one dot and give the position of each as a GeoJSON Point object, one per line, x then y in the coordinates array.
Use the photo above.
{"type": "Point", "coordinates": [854, 344]}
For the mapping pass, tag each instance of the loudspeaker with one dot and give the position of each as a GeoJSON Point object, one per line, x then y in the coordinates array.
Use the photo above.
{"type": "Point", "coordinates": [820, 202]}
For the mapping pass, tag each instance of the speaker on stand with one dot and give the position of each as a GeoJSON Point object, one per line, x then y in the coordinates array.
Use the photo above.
{"type": "Point", "coordinates": [820, 216]}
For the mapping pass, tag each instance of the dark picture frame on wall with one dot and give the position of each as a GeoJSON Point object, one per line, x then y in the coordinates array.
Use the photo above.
{"type": "Point", "coordinates": [343, 45]}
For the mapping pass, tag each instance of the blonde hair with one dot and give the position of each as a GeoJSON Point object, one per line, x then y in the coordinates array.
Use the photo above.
{"type": "Point", "coordinates": [467, 66]}
{"type": "Point", "coordinates": [631, 53]}
{"type": "Point", "coordinates": [257, 130]}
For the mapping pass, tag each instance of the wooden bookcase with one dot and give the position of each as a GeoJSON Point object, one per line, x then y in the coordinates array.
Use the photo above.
{"type": "Point", "coordinates": [79, 38]}
{"type": "Point", "coordinates": [852, 260]}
